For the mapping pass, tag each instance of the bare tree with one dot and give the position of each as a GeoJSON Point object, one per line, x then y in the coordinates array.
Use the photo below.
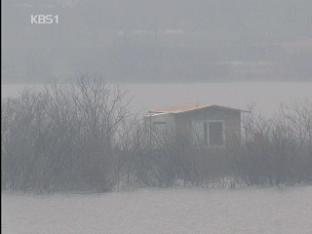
{"type": "Point", "coordinates": [63, 137]}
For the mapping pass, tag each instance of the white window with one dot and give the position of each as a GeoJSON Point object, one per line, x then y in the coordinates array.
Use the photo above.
{"type": "Point", "coordinates": [198, 132]}
{"type": "Point", "coordinates": [216, 133]}
{"type": "Point", "coordinates": [208, 132]}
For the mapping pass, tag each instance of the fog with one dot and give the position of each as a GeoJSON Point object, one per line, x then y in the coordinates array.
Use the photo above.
{"type": "Point", "coordinates": [264, 97]}
{"type": "Point", "coordinates": [88, 146]}
{"type": "Point", "coordinates": [156, 41]}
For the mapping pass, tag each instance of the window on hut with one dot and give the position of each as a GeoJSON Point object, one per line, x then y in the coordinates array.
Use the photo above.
{"type": "Point", "coordinates": [216, 133]}
{"type": "Point", "coordinates": [208, 132]}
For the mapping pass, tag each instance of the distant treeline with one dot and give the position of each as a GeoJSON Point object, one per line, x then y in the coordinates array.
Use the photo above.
{"type": "Point", "coordinates": [152, 60]}
{"type": "Point", "coordinates": [176, 40]}
{"type": "Point", "coordinates": [82, 137]}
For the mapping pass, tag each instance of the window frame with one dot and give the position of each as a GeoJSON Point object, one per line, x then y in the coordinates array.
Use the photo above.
{"type": "Point", "coordinates": [208, 122]}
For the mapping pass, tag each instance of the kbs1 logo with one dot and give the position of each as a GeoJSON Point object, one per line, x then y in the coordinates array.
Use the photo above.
{"type": "Point", "coordinates": [44, 19]}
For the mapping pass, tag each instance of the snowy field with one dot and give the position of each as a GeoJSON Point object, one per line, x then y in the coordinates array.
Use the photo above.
{"type": "Point", "coordinates": [168, 211]}
{"type": "Point", "coordinates": [266, 96]}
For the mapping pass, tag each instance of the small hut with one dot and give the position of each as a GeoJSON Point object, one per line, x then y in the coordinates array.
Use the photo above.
{"type": "Point", "coordinates": [208, 125]}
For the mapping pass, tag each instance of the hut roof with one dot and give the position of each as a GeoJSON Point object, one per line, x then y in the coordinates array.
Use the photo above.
{"type": "Point", "coordinates": [177, 110]}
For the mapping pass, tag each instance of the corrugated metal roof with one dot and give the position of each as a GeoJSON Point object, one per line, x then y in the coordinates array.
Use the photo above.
{"type": "Point", "coordinates": [176, 110]}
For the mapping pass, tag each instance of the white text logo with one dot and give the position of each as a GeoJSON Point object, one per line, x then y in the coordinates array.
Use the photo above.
{"type": "Point", "coordinates": [44, 19]}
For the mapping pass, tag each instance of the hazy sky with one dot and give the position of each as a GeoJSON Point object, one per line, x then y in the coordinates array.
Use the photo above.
{"type": "Point", "coordinates": [159, 40]}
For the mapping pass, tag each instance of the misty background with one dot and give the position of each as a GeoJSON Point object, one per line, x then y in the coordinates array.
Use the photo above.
{"type": "Point", "coordinates": [156, 41]}
{"type": "Point", "coordinates": [64, 146]}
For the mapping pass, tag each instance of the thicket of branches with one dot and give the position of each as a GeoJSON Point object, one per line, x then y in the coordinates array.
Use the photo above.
{"type": "Point", "coordinates": [81, 137]}
{"type": "Point", "coordinates": [61, 138]}
{"type": "Point", "coordinates": [273, 151]}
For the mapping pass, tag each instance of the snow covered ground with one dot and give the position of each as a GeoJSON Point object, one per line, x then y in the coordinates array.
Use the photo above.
{"type": "Point", "coordinates": [165, 211]}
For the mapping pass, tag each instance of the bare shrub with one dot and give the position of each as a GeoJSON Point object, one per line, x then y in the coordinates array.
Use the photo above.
{"type": "Point", "coordinates": [81, 137]}
{"type": "Point", "coordinates": [278, 150]}
{"type": "Point", "coordinates": [62, 137]}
